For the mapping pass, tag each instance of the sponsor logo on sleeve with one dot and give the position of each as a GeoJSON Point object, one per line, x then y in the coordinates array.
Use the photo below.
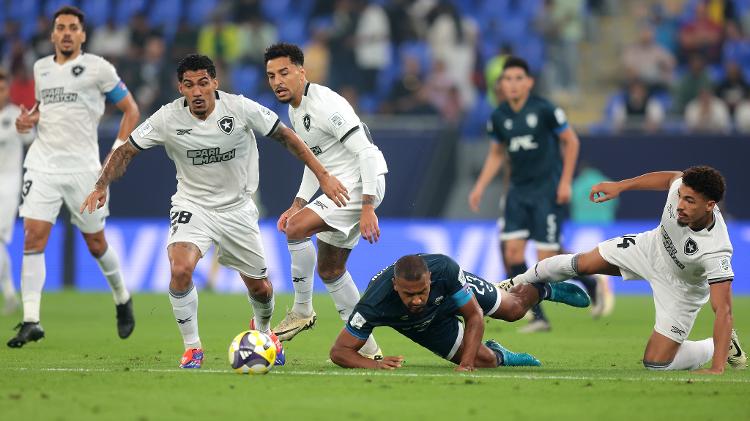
{"type": "Point", "coordinates": [560, 116]}
{"type": "Point", "coordinates": [337, 120]}
{"type": "Point", "coordinates": [145, 128]}
{"type": "Point", "coordinates": [461, 277]}
{"type": "Point", "coordinates": [357, 320]}
{"type": "Point", "coordinates": [724, 264]}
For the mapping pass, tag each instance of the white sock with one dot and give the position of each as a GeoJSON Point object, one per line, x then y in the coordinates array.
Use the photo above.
{"type": "Point", "coordinates": [33, 274]}
{"type": "Point", "coordinates": [185, 309]}
{"type": "Point", "coordinates": [690, 356]}
{"type": "Point", "coordinates": [552, 269]}
{"type": "Point", "coordinates": [262, 313]}
{"type": "Point", "coordinates": [303, 274]}
{"type": "Point", "coordinates": [6, 281]}
{"type": "Point", "coordinates": [345, 296]}
{"type": "Point", "coordinates": [110, 266]}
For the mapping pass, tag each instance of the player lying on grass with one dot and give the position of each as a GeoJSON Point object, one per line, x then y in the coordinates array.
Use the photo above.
{"type": "Point", "coordinates": [686, 259]}
{"type": "Point", "coordinates": [422, 297]}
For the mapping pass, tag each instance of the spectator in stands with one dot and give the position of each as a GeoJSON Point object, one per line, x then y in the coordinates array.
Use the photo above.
{"type": "Point", "coordinates": [707, 113]}
{"type": "Point", "coordinates": [373, 44]}
{"type": "Point", "coordinates": [220, 40]}
{"type": "Point", "coordinates": [40, 41]}
{"type": "Point", "coordinates": [665, 20]}
{"type": "Point", "coordinates": [442, 93]}
{"type": "Point", "coordinates": [139, 32]}
{"type": "Point", "coordinates": [701, 36]}
{"type": "Point", "coordinates": [21, 89]}
{"type": "Point", "coordinates": [156, 79]}
{"type": "Point", "coordinates": [742, 117]}
{"type": "Point", "coordinates": [246, 10]}
{"type": "Point", "coordinates": [736, 46]}
{"type": "Point", "coordinates": [343, 69]}
{"type": "Point", "coordinates": [566, 32]}
{"type": "Point", "coordinates": [110, 41]}
{"type": "Point", "coordinates": [185, 41]}
{"type": "Point", "coordinates": [317, 57]}
{"type": "Point", "coordinates": [733, 89]}
{"type": "Point", "coordinates": [408, 96]}
{"type": "Point", "coordinates": [639, 110]}
{"type": "Point", "coordinates": [401, 26]}
{"type": "Point", "coordinates": [649, 61]}
{"type": "Point", "coordinates": [694, 79]}
{"type": "Point", "coordinates": [256, 34]}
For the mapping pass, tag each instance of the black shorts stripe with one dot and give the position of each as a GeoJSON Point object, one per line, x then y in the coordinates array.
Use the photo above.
{"type": "Point", "coordinates": [130, 138]}
{"type": "Point", "coordinates": [349, 133]}
{"type": "Point", "coordinates": [718, 281]}
{"type": "Point", "coordinates": [276, 124]}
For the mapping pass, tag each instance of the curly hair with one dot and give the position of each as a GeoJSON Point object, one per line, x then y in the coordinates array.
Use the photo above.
{"type": "Point", "coordinates": [706, 181]}
{"type": "Point", "coordinates": [284, 49]}
{"type": "Point", "coordinates": [195, 62]}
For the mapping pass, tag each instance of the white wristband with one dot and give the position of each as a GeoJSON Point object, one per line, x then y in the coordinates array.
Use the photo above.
{"type": "Point", "coordinates": [117, 144]}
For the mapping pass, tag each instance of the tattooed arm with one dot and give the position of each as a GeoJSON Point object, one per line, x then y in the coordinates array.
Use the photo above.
{"type": "Point", "coordinates": [328, 183]}
{"type": "Point", "coordinates": [113, 169]}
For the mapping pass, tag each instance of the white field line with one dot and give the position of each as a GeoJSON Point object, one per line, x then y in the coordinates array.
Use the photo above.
{"type": "Point", "coordinates": [360, 373]}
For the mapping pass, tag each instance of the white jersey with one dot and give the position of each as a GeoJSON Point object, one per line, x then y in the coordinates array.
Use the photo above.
{"type": "Point", "coordinates": [217, 158]}
{"type": "Point", "coordinates": [71, 100]}
{"type": "Point", "coordinates": [694, 257]}
{"type": "Point", "coordinates": [325, 121]}
{"type": "Point", "coordinates": [11, 147]}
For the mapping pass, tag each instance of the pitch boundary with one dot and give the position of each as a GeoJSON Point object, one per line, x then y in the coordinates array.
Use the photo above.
{"type": "Point", "coordinates": [361, 373]}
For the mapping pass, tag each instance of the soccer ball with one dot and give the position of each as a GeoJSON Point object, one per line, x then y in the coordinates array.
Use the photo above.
{"type": "Point", "coordinates": [252, 352]}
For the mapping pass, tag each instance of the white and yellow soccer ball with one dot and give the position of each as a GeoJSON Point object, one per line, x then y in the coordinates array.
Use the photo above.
{"type": "Point", "coordinates": [252, 352]}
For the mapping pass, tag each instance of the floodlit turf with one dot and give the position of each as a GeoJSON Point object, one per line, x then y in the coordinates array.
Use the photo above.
{"type": "Point", "coordinates": [591, 370]}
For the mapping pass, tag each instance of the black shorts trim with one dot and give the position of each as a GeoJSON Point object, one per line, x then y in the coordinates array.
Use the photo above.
{"type": "Point", "coordinates": [349, 133]}
{"type": "Point", "coordinates": [276, 124]}
{"type": "Point", "coordinates": [132, 141]}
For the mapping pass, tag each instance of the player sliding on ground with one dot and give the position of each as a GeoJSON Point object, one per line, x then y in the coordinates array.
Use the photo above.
{"type": "Point", "coordinates": [333, 131]}
{"type": "Point", "coordinates": [422, 296]}
{"type": "Point", "coordinates": [209, 135]}
{"type": "Point", "coordinates": [686, 259]}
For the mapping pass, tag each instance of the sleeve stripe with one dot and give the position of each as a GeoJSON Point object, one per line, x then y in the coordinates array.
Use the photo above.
{"type": "Point", "coordinates": [274, 127]}
{"type": "Point", "coordinates": [561, 128]}
{"type": "Point", "coordinates": [349, 133]}
{"type": "Point", "coordinates": [355, 333]}
{"type": "Point", "coordinates": [719, 280]}
{"type": "Point", "coordinates": [130, 138]}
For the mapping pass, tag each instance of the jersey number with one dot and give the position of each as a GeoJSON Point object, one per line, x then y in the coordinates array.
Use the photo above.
{"type": "Point", "coordinates": [477, 284]}
{"type": "Point", "coordinates": [627, 241]}
{"type": "Point", "coordinates": [25, 189]}
{"type": "Point", "coordinates": [182, 217]}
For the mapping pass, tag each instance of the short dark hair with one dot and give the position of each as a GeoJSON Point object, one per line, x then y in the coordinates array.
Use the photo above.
{"type": "Point", "coordinates": [3, 75]}
{"type": "Point", "coordinates": [71, 10]}
{"type": "Point", "coordinates": [410, 267]}
{"type": "Point", "coordinates": [284, 49]}
{"type": "Point", "coordinates": [514, 61]}
{"type": "Point", "coordinates": [195, 62]}
{"type": "Point", "coordinates": [706, 181]}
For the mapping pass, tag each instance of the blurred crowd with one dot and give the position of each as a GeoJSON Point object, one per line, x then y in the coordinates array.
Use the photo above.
{"type": "Point", "coordinates": [686, 70]}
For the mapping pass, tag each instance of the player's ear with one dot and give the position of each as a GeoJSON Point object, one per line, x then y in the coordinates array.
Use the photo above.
{"type": "Point", "coordinates": [179, 88]}
{"type": "Point", "coordinates": [84, 35]}
{"type": "Point", "coordinates": [710, 205]}
{"type": "Point", "coordinates": [215, 83]}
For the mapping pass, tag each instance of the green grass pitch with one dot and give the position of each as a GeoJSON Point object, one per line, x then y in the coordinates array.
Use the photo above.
{"type": "Point", "coordinates": [591, 370]}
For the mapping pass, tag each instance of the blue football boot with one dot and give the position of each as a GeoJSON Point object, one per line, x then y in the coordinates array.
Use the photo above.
{"type": "Point", "coordinates": [511, 358]}
{"type": "Point", "coordinates": [570, 294]}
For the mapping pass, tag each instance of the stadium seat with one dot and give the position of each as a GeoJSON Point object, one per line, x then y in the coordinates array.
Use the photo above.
{"type": "Point", "coordinates": [51, 6]}
{"type": "Point", "coordinates": [245, 80]}
{"type": "Point", "coordinates": [23, 11]}
{"type": "Point", "coordinates": [277, 10]}
{"type": "Point", "coordinates": [97, 11]}
{"type": "Point", "coordinates": [125, 9]}
{"type": "Point", "coordinates": [293, 29]}
{"type": "Point", "coordinates": [198, 12]}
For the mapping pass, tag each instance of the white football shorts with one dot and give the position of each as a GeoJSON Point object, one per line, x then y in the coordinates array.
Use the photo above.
{"type": "Point", "coordinates": [676, 302]}
{"type": "Point", "coordinates": [345, 220]}
{"type": "Point", "coordinates": [44, 193]}
{"type": "Point", "coordinates": [10, 195]}
{"type": "Point", "coordinates": [235, 233]}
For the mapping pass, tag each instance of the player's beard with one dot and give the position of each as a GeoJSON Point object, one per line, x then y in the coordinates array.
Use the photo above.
{"type": "Point", "coordinates": [67, 53]}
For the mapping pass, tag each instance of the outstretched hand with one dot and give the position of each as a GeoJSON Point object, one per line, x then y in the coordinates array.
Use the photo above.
{"type": "Point", "coordinates": [604, 191]}
{"type": "Point", "coordinates": [389, 363]}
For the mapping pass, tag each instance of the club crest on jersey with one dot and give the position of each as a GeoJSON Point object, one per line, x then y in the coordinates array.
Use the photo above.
{"type": "Point", "coordinates": [306, 122]}
{"type": "Point", "coordinates": [77, 70]}
{"type": "Point", "coordinates": [508, 124]}
{"type": "Point", "coordinates": [226, 124]}
{"type": "Point", "coordinates": [531, 120]}
{"type": "Point", "coordinates": [690, 246]}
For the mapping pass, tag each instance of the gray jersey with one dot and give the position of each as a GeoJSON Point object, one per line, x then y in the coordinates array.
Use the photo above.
{"type": "Point", "coordinates": [694, 257]}
{"type": "Point", "coordinates": [71, 100]}
{"type": "Point", "coordinates": [217, 158]}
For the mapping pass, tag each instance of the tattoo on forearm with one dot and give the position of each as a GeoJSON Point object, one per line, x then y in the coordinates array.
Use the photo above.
{"type": "Point", "coordinates": [116, 165]}
{"type": "Point", "coordinates": [300, 202]}
{"type": "Point", "coordinates": [368, 199]}
{"type": "Point", "coordinates": [283, 135]}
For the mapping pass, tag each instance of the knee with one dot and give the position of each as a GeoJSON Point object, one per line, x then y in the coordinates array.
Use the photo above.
{"type": "Point", "coordinates": [330, 272]}
{"type": "Point", "coordinates": [514, 255]}
{"type": "Point", "coordinates": [295, 230]}
{"type": "Point", "coordinates": [97, 245]}
{"type": "Point", "coordinates": [260, 289]}
{"type": "Point", "coordinates": [182, 276]}
{"type": "Point", "coordinates": [515, 311]}
{"type": "Point", "coordinates": [33, 240]}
